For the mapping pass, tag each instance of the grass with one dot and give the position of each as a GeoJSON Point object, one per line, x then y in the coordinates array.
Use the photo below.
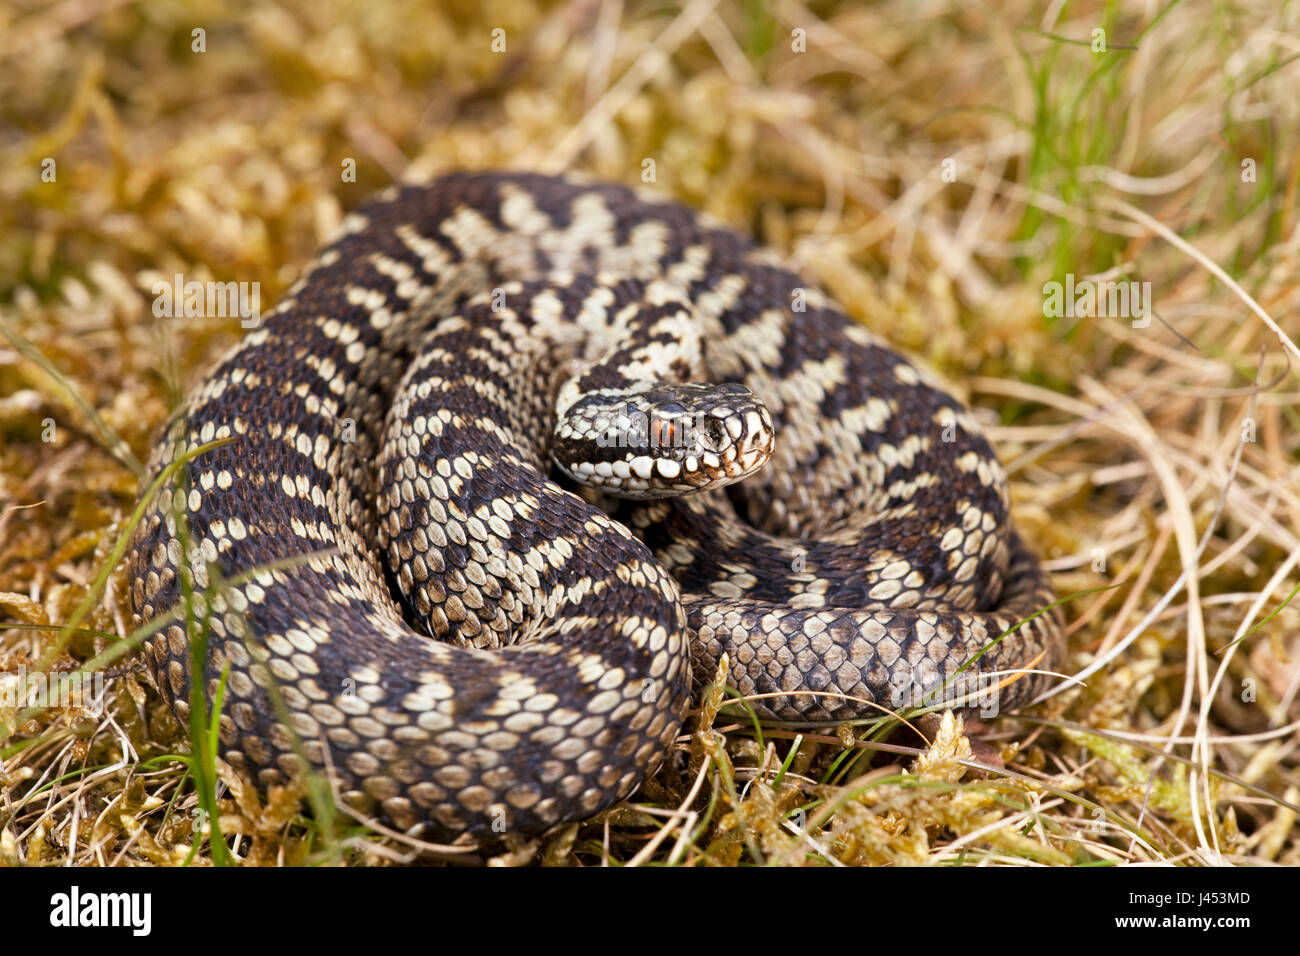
{"type": "Point", "coordinates": [1155, 468]}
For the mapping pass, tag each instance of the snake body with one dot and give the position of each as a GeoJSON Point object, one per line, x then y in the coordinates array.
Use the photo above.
{"type": "Point", "coordinates": [390, 558]}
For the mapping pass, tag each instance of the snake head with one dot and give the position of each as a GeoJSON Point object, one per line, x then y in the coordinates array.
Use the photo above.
{"type": "Point", "coordinates": [662, 440]}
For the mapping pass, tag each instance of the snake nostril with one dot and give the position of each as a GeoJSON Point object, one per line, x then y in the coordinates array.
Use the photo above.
{"type": "Point", "coordinates": [713, 434]}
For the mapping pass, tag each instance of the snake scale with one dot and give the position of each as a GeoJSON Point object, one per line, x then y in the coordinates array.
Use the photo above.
{"type": "Point", "coordinates": [481, 533]}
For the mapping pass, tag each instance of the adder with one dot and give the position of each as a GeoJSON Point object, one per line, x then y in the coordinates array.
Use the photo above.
{"type": "Point", "coordinates": [481, 532]}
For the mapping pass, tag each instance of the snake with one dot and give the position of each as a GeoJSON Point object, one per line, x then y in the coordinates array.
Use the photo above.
{"type": "Point", "coordinates": [518, 467]}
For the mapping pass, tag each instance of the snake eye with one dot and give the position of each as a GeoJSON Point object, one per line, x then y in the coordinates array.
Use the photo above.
{"type": "Point", "coordinates": [663, 433]}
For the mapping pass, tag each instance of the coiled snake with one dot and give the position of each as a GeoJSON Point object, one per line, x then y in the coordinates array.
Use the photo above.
{"type": "Point", "coordinates": [395, 421]}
